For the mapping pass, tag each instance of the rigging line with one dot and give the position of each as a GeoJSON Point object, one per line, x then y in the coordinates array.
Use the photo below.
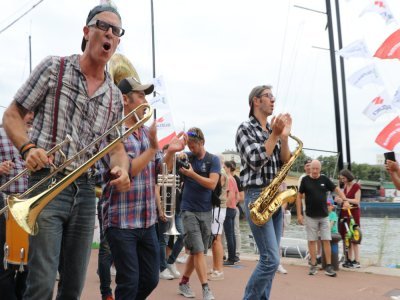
{"type": "Point", "coordinates": [16, 20]}
{"type": "Point", "coordinates": [16, 12]}
{"type": "Point", "coordinates": [294, 59]}
{"type": "Point", "coordinates": [282, 50]}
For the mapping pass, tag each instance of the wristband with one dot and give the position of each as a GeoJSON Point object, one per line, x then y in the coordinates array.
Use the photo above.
{"type": "Point", "coordinates": [22, 148]}
{"type": "Point", "coordinates": [26, 149]}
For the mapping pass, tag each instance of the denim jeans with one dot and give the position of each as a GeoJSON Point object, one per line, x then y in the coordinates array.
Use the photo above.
{"type": "Point", "coordinates": [104, 259]}
{"type": "Point", "coordinates": [64, 241]}
{"type": "Point", "coordinates": [178, 245]}
{"type": "Point", "coordinates": [137, 260]}
{"type": "Point", "coordinates": [12, 282]}
{"type": "Point", "coordinates": [162, 228]}
{"type": "Point", "coordinates": [229, 228]}
{"type": "Point", "coordinates": [267, 238]}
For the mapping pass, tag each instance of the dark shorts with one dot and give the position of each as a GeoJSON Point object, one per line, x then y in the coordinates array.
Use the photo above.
{"type": "Point", "coordinates": [197, 230]}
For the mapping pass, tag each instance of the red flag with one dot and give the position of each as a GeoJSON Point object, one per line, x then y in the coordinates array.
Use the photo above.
{"type": "Point", "coordinates": [390, 47]}
{"type": "Point", "coordinates": [390, 135]}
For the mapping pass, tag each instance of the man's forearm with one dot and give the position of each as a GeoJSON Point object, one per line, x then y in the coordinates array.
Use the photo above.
{"type": "Point", "coordinates": [118, 157]}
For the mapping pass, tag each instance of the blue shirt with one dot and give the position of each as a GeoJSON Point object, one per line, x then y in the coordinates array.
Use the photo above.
{"type": "Point", "coordinates": [195, 197]}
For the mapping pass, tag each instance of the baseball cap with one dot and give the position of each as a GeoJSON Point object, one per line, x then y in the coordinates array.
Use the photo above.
{"type": "Point", "coordinates": [131, 84]}
{"type": "Point", "coordinates": [96, 10]}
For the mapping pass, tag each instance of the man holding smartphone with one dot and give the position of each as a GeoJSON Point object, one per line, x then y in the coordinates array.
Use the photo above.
{"type": "Point", "coordinates": [393, 168]}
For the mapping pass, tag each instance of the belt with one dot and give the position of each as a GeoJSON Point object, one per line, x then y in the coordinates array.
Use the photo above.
{"type": "Point", "coordinates": [255, 186]}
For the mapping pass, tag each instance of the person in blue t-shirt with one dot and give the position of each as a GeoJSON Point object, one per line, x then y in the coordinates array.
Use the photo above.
{"type": "Point", "coordinates": [199, 180]}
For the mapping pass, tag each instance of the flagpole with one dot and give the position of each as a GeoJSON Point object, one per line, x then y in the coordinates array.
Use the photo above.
{"type": "Point", "coordinates": [152, 40]}
{"type": "Point", "coordinates": [344, 93]}
{"type": "Point", "coordinates": [335, 85]}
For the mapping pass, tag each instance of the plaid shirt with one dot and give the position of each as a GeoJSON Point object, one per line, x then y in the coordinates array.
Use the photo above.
{"type": "Point", "coordinates": [257, 167]}
{"type": "Point", "coordinates": [9, 152]}
{"type": "Point", "coordinates": [136, 208]}
{"type": "Point", "coordinates": [84, 118]}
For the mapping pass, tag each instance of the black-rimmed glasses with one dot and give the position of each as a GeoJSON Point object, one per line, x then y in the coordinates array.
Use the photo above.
{"type": "Point", "coordinates": [269, 95]}
{"type": "Point", "coordinates": [117, 31]}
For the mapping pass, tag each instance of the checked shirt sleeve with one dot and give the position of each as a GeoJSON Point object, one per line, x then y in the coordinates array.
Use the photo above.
{"type": "Point", "coordinates": [250, 147]}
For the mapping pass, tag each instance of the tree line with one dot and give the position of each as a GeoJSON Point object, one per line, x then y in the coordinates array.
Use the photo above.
{"type": "Point", "coordinates": [330, 168]}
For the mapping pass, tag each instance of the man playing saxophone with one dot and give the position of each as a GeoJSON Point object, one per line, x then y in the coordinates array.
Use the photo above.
{"type": "Point", "coordinates": [263, 149]}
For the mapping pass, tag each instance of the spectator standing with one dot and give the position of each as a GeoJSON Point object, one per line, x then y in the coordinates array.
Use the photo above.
{"type": "Point", "coordinates": [229, 223]}
{"type": "Point", "coordinates": [352, 191]}
{"type": "Point", "coordinates": [315, 188]}
{"type": "Point", "coordinates": [239, 211]}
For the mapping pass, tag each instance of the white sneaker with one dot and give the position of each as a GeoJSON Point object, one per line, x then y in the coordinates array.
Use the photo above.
{"type": "Point", "coordinates": [185, 290]}
{"type": "Point", "coordinates": [173, 270]}
{"type": "Point", "coordinates": [113, 271]}
{"type": "Point", "coordinates": [166, 274]}
{"type": "Point", "coordinates": [281, 270]}
{"type": "Point", "coordinates": [182, 259]}
{"type": "Point", "coordinates": [395, 297]}
{"type": "Point", "coordinates": [216, 276]}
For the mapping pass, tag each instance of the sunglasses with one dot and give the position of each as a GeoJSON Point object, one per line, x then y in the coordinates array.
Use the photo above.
{"type": "Point", "coordinates": [117, 31]}
{"type": "Point", "coordinates": [193, 134]}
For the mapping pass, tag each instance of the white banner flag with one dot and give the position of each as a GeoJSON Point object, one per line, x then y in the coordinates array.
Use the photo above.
{"type": "Point", "coordinates": [165, 129]}
{"type": "Point", "coordinates": [364, 76]}
{"type": "Point", "coordinates": [380, 7]}
{"type": "Point", "coordinates": [355, 49]}
{"type": "Point", "coordinates": [159, 102]}
{"type": "Point", "coordinates": [378, 106]}
{"type": "Point", "coordinates": [396, 98]}
{"type": "Point", "coordinates": [159, 85]}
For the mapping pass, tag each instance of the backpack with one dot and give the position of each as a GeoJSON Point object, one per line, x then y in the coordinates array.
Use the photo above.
{"type": "Point", "coordinates": [216, 193]}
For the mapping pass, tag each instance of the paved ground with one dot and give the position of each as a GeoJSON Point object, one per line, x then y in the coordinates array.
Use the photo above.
{"type": "Point", "coordinates": [368, 283]}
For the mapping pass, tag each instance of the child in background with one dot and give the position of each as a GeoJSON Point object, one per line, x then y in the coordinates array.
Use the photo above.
{"type": "Point", "coordinates": [333, 217]}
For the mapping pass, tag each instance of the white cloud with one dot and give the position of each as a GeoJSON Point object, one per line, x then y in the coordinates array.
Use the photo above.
{"type": "Point", "coordinates": [211, 53]}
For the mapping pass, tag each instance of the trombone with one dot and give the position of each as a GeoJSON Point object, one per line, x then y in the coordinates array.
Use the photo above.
{"type": "Point", "coordinates": [169, 199]}
{"type": "Point", "coordinates": [26, 211]}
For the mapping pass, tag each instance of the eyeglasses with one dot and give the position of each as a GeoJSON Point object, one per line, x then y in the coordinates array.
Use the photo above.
{"type": "Point", "coordinates": [269, 95]}
{"type": "Point", "coordinates": [117, 31]}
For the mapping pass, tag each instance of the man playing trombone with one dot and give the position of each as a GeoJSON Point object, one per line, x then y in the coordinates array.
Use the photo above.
{"type": "Point", "coordinates": [73, 96]}
{"type": "Point", "coordinates": [130, 217]}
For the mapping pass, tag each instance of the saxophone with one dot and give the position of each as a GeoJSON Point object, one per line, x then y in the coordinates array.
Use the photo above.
{"type": "Point", "coordinates": [269, 201]}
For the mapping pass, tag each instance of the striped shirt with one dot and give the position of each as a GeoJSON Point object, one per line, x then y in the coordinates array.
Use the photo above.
{"type": "Point", "coordinates": [257, 168]}
{"type": "Point", "coordinates": [136, 208]}
{"type": "Point", "coordinates": [8, 152]}
{"type": "Point", "coordinates": [82, 117]}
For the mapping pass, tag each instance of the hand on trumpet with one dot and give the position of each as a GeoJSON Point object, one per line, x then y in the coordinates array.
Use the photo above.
{"type": "Point", "coordinates": [6, 167]}
{"type": "Point", "coordinates": [37, 159]}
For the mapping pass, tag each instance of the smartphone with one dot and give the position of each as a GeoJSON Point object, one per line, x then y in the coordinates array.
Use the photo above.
{"type": "Point", "coordinates": [389, 155]}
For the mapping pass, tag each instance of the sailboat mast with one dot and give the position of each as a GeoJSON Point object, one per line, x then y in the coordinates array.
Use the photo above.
{"type": "Point", "coordinates": [335, 85]}
{"type": "Point", "coordinates": [343, 82]}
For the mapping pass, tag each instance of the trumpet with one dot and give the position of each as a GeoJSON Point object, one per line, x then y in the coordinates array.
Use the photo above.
{"type": "Point", "coordinates": [26, 211]}
{"type": "Point", "coordinates": [166, 180]}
